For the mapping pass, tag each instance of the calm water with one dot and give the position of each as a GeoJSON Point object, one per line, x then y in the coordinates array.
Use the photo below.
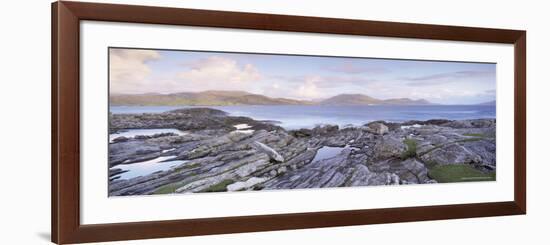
{"type": "Point", "coordinates": [148, 167]}
{"type": "Point", "coordinates": [327, 152]}
{"type": "Point", "coordinates": [298, 116]}
{"type": "Point", "coordinates": [130, 133]}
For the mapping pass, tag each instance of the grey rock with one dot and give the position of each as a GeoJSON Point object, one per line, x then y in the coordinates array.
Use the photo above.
{"type": "Point", "coordinates": [314, 175]}
{"type": "Point", "coordinates": [116, 171]}
{"type": "Point", "coordinates": [186, 119]}
{"type": "Point", "coordinates": [473, 123]}
{"type": "Point", "coordinates": [120, 139]}
{"type": "Point", "coordinates": [389, 147]}
{"type": "Point", "coordinates": [325, 130]}
{"type": "Point", "coordinates": [269, 157]}
{"type": "Point", "coordinates": [377, 128]}
{"type": "Point", "coordinates": [300, 133]}
{"type": "Point", "coordinates": [437, 122]}
{"type": "Point", "coordinates": [452, 154]}
{"type": "Point", "coordinates": [273, 155]}
{"type": "Point", "coordinates": [409, 171]}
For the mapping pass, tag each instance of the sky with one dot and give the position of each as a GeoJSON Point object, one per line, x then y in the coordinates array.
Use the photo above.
{"type": "Point", "coordinates": [136, 71]}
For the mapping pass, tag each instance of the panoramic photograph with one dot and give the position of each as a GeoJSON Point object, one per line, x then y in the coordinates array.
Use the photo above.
{"type": "Point", "coordinates": [184, 122]}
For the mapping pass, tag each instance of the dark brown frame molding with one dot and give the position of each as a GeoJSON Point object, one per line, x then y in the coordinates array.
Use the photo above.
{"type": "Point", "coordinates": [65, 181]}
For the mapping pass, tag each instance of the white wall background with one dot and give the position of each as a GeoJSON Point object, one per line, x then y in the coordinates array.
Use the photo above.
{"type": "Point", "coordinates": [25, 103]}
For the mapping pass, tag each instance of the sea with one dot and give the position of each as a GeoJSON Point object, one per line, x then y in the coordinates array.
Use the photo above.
{"type": "Point", "coordinates": [309, 116]}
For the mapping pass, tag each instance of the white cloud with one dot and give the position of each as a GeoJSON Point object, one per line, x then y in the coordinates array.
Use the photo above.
{"type": "Point", "coordinates": [129, 69]}
{"type": "Point", "coordinates": [131, 73]}
{"type": "Point", "coordinates": [309, 89]}
{"type": "Point", "coordinates": [452, 93]}
{"type": "Point", "coordinates": [135, 71]}
{"type": "Point", "coordinates": [353, 68]}
{"type": "Point", "coordinates": [218, 73]}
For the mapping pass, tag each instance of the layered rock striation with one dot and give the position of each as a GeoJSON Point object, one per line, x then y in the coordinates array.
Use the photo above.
{"type": "Point", "coordinates": [218, 155]}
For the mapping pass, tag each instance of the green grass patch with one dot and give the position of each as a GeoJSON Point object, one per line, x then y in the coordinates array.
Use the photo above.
{"type": "Point", "coordinates": [219, 187]}
{"type": "Point", "coordinates": [167, 189]}
{"type": "Point", "coordinates": [459, 173]}
{"type": "Point", "coordinates": [430, 164]}
{"type": "Point", "coordinates": [411, 148]}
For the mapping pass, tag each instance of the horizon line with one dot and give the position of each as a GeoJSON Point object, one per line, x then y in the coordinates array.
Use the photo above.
{"type": "Point", "coordinates": [304, 100]}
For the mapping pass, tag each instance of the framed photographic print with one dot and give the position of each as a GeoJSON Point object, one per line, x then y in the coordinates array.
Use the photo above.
{"type": "Point", "coordinates": [177, 122]}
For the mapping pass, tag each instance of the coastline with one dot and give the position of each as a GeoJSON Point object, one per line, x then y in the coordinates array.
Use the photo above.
{"type": "Point", "coordinates": [219, 152]}
{"type": "Point", "coordinates": [308, 116]}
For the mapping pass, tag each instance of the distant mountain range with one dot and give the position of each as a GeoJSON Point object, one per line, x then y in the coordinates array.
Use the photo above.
{"type": "Point", "coordinates": [224, 98]}
{"type": "Point", "coordinates": [361, 99]}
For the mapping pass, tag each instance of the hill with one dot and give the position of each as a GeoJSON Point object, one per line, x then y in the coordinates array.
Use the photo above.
{"type": "Point", "coordinates": [360, 99]}
{"type": "Point", "coordinates": [225, 98]}
{"type": "Point", "coordinates": [350, 99]}
{"type": "Point", "coordinates": [206, 98]}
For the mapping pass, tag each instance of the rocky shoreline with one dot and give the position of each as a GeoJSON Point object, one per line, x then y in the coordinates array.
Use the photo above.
{"type": "Point", "coordinates": [219, 152]}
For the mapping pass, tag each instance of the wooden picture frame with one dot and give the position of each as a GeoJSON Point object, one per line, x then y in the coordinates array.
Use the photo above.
{"type": "Point", "coordinates": [65, 176]}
